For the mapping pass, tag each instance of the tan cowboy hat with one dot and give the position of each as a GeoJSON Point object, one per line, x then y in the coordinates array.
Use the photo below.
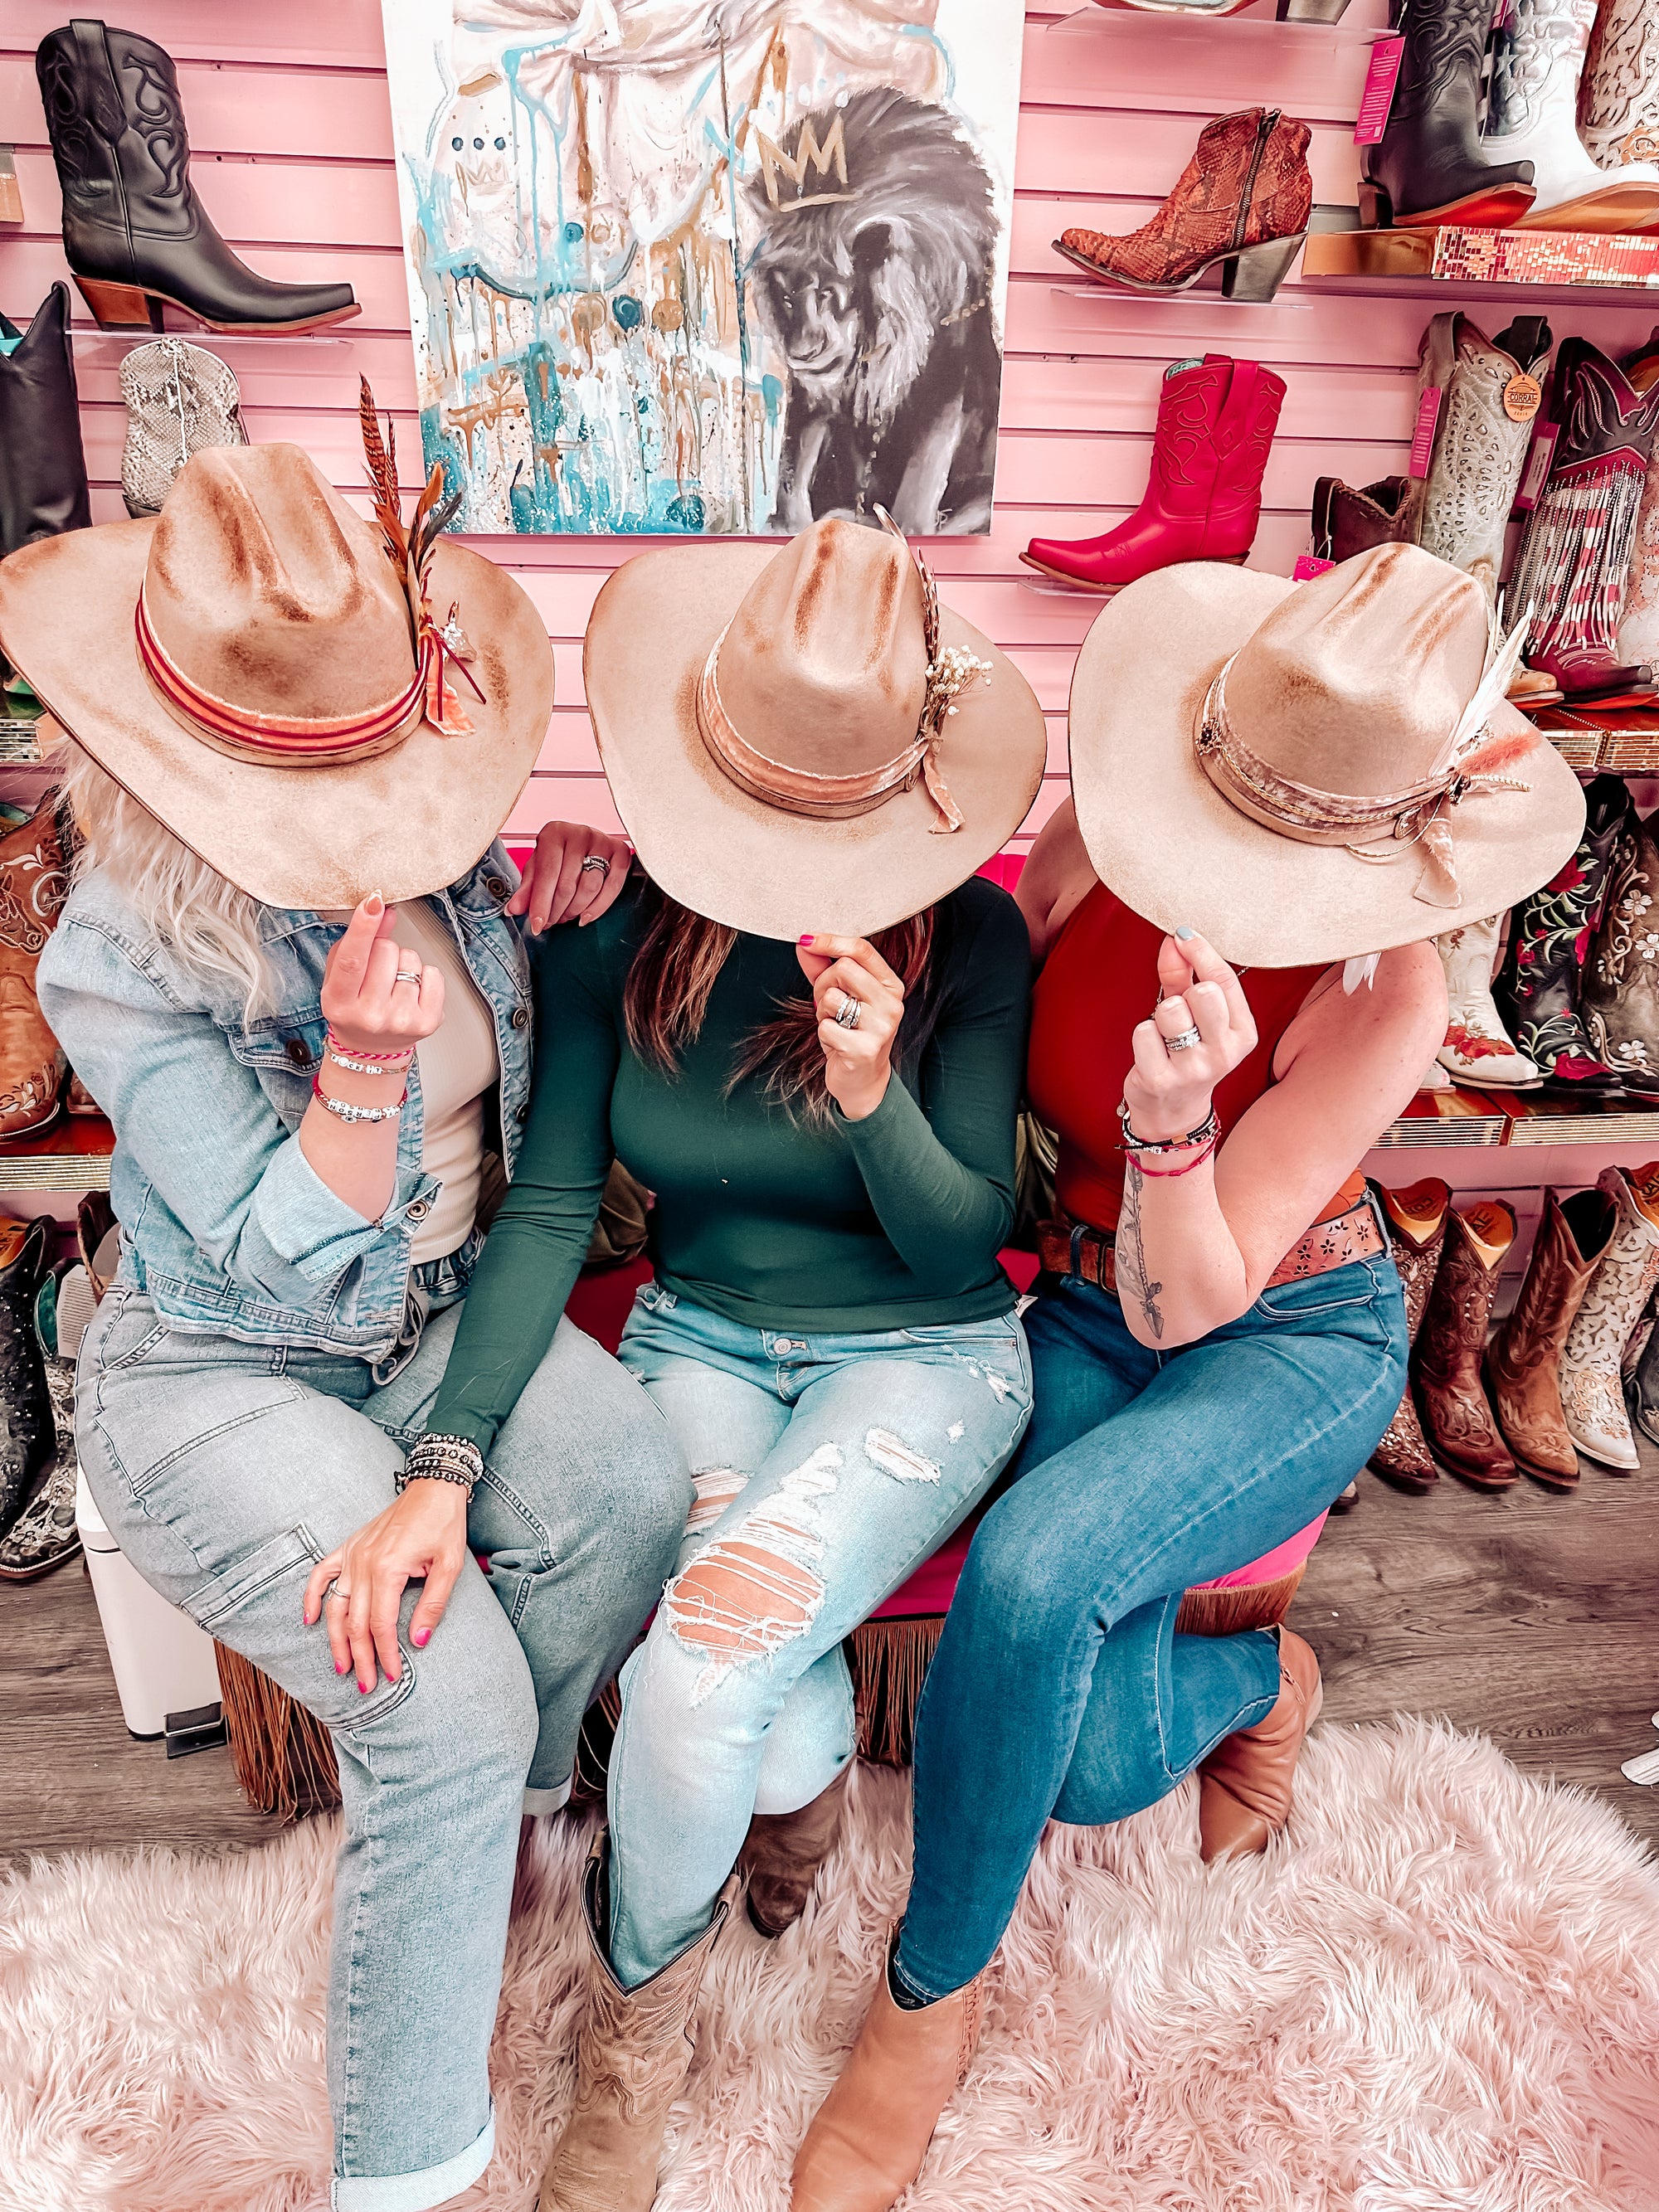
{"type": "Point", "coordinates": [804, 738]}
{"type": "Point", "coordinates": [267, 673]}
{"type": "Point", "coordinates": [1308, 772]}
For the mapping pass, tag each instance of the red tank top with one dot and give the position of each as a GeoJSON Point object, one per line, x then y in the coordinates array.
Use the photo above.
{"type": "Point", "coordinates": [1098, 981]}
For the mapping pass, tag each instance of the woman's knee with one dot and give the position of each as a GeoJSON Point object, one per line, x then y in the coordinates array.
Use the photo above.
{"type": "Point", "coordinates": [471, 1714]}
{"type": "Point", "coordinates": [1020, 1579]}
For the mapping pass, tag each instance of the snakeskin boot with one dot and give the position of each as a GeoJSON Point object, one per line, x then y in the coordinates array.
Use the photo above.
{"type": "Point", "coordinates": [1524, 1360]}
{"type": "Point", "coordinates": [44, 1535]}
{"type": "Point", "coordinates": [26, 1435]}
{"type": "Point", "coordinates": [1451, 1401]}
{"type": "Point", "coordinates": [1242, 200]}
{"type": "Point", "coordinates": [1537, 990]}
{"type": "Point", "coordinates": [32, 886]}
{"type": "Point", "coordinates": [1532, 115]}
{"type": "Point", "coordinates": [1489, 395]}
{"type": "Point", "coordinates": [1477, 1051]}
{"type": "Point", "coordinates": [1416, 1228]}
{"type": "Point", "coordinates": [1430, 165]}
{"type": "Point", "coordinates": [1592, 1386]}
{"type": "Point", "coordinates": [1619, 998]}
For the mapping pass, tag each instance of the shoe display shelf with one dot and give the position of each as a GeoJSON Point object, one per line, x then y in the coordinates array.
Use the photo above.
{"type": "Point", "coordinates": [1459, 1118]}
{"type": "Point", "coordinates": [1622, 740]}
{"type": "Point", "coordinates": [18, 745]}
{"type": "Point", "coordinates": [74, 1154]}
{"type": "Point", "coordinates": [1581, 269]}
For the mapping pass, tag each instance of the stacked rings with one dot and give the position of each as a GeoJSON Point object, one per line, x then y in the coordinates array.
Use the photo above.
{"type": "Point", "coordinates": [846, 1014]}
{"type": "Point", "coordinates": [1184, 1041]}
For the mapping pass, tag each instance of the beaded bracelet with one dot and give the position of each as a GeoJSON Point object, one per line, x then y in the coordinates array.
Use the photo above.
{"type": "Point", "coordinates": [387, 1067]}
{"type": "Point", "coordinates": [441, 1459]}
{"type": "Point", "coordinates": [1197, 1161]}
{"type": "Point", "coordinates": [1206, 1133]}
{"type": "Point", "coordinates": [343, 1111]}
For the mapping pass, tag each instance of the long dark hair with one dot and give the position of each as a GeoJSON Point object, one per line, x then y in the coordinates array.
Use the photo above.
{"type": "Point", "coordinates": [679, 962]}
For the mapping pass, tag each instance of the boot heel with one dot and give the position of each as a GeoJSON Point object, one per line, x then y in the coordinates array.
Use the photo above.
{"type": "Point", "coordinates": [1257, 273]}
{"type": "Point", "coordinates": [1375, 208]}
{"type": "Point", "coordinates": [120, 307]}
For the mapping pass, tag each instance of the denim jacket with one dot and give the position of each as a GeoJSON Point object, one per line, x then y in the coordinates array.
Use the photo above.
{"type": "Point", "coordinates": [225, 1223]}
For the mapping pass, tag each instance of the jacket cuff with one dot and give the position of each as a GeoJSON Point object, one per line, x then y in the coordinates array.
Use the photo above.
{"type": "Point", "coordinates": [310, 1227]}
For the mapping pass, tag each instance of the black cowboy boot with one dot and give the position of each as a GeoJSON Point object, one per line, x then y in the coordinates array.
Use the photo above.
{"type": "Point", "coordinates": [43, 471]}
{"type": "Point", "coordinates": [1575, 560]}
{"type": "Point", "coordinates": [44, 1535]}
{"type": "Point", "coordinates": [1538, 986]}
{"type": "Point", "coordinates": [26, 1435]}
{"type": "Point", "coordinates": [1620, 999]}
{"type": "Point", "coordinates": [1429, 166]}
{"type": "Point", "coordinates": [134, 231]}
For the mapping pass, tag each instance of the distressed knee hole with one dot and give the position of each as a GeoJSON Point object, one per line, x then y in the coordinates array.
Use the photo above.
{"type": "Point", "coordinates": [712, 1490]}
{"type": "Point", "coordinates": [756, 1588]}
{"type": "Point", "coordinates": [894, 1457]}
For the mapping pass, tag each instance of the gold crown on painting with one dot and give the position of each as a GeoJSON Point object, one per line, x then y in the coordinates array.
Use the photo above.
{"type": "Point", "coordinates": [831, 154]}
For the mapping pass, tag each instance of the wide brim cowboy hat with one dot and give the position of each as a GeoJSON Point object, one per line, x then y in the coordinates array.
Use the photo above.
{"type": "Point", "coordinates": [411, 812]}
{"type": "Point", "coordinates": [735, 856]}
{"type": "Point", "coordinates": [1327, 663]}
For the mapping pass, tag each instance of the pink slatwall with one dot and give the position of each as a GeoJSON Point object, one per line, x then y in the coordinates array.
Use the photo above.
{"type": "Point", "coordinates": [289, 119]}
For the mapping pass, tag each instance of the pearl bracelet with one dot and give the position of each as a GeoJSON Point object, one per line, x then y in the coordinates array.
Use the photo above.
{"type": "Point", "coordinates": [343, 1110]}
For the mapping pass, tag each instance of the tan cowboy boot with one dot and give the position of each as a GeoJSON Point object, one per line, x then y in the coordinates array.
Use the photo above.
{"type": "Point", "coordinates": [1244, 1785]}
{"type": "Point", "coordinates": [32, 882]}
{"type": "Point", "coordinates": [871, 2132]}
{"type": "Point", "coordinates": [631, 2064]}
{"type": "Point", "coordinates": [783, 1853]}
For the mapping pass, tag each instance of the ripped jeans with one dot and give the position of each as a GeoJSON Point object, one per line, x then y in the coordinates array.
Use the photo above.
{"type": "Point", "coordinates": [226, 1472]}
{"type": "Point", "coordinates": [826, 1469]}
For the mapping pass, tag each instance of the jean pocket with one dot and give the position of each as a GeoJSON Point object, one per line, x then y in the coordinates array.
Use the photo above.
{"type": "Point", "coordinates": [240, 1581]}
{"type": "Point", "coordinates": [1339, 1290]}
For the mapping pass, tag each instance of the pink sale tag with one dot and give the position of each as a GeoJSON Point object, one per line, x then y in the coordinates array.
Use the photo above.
{"type": "Point", "coordinates": [1428, 414]}
{"type": "Point", "coordinates": [1378, 95]}
{"type": "Point", "coordinates": [1308, 566]}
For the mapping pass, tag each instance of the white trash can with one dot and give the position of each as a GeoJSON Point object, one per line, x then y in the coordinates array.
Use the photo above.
{"type": "Point", "coordinates": [162, 1662]}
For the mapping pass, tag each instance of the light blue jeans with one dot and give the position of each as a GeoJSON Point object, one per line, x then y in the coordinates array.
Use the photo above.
{"type": "Point", "coordinates": [226, 1472]}
{"type": "Point", "coordinates": [826, 1469]}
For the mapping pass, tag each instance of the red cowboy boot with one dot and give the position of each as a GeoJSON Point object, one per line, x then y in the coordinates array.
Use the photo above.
{"type": "Point", "coordinates": [1216, 419]}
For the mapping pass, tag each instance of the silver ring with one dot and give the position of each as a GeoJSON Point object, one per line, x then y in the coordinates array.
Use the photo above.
{"type": "Point", "coordinates": [848, 1013]}
{"type": "Point", "coordinates": [334, 1590]}
{"type": "Point", "coordinates": [403, 975]}
{"type": "Point", "coordinates": [1183, 1042]}
{"type": "Point", "coordinates": [595, 860]}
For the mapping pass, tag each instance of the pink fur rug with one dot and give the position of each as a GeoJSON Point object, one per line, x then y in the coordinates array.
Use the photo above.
{"type": "Point", "coordinates": [1439, 1992]}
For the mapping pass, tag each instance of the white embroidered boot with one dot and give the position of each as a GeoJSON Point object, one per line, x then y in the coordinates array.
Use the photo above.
{"type": "Point", "coordinates": [1619, 99]}
{"type": "Point", "coordinates": [1537, 58]}
{"type": "Point", "coordinates": [1479, 1049]}
{"type": "Point", "coordinates": [1592, 1385]}
{"type": "Point", "coordinates": [1489, 395]}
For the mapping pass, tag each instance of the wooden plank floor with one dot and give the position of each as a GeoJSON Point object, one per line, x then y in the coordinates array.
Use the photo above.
{"type": "Point", "coordinates": [1529, 1616]}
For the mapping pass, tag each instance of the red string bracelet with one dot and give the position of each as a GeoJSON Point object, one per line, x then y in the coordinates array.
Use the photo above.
{"type": "Point", "coordinates": [1196, 1162]}
{"type": "Point", "coordinates": [361, 1052]}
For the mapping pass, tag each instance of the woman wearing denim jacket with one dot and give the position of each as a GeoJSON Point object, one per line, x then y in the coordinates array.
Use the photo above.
{"type": "Point", "coordinates": [1318, 776]}
{"type": "Point", "coordinates": [253, 1397]}
{"type": "Point", "coordinates": [829, 1333]}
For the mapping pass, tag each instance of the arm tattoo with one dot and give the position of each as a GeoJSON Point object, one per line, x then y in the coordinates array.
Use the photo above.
{"type": "Point", "coordinates": [1130, 1255]}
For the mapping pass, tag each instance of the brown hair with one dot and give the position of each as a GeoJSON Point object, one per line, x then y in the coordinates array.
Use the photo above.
{"type": "Point", "coordinates": [679, 962]}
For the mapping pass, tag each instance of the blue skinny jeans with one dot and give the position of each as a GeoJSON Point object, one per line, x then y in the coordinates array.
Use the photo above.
{"type": "Point", "coordinates": [1060, 1689]}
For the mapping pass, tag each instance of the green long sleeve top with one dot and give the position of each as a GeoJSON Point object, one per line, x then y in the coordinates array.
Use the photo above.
{"type": "Point", "coordinates": [775, 1222]}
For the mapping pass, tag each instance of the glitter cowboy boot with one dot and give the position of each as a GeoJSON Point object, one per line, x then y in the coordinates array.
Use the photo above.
{"type": "Point", "coordinates": [1417, 1229]}
{"type": "Point", "coordinates": [1242, 200]}
{"type": "Point", "coordinates": [1524, 1360]}
{"type": "Point", "coordinates": [1216, 419]}
{"type": "Point", "coordinates": [1532, 115]}
{"type": "Point", "coordinates": [28, 1435]}
{"type": "Point", "coordinates": [1592, 1383]}
{"type": "Point", "coordinates": [1477, 1051]}
{"type": "Point", "coordinates": [1537, 989]}
{"type": "Point", "coordinates": [1619, 997]}
{"type": "Point", "coordinates": [1430, 165]}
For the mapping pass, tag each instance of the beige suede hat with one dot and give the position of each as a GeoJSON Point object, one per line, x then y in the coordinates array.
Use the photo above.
{"type": "Point", "coordinates": [803, 739]}
{"type": "Point", "coordinates": [1309, 772]}
{"type": "Point", "coordinates": [318, 706]}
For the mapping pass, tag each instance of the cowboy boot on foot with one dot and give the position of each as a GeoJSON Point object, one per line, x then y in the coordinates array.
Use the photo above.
{"type": "Point", "coordinates": [871, 2134]}
{"type": "Point", "coordinates": [783, 1853]}
{"type": "Point", "coordinates": [1244, 1785]}
{"type": "Point", "coordinates": [632, 2059]}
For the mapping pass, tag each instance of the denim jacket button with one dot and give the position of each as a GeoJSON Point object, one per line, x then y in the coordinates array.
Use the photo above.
{"type": "Point", "coordinates": [298, 1051]}
{"type": "Point", "coordinates": [497, 886]}
{"type": "Point", "coordinates": [521, 1018]}
{"type": "Point", "coordinates": [419, 1209]}
{"type": "Point", "coordinates": [521, 1114]}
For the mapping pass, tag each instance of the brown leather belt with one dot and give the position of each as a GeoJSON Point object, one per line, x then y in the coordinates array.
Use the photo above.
{"type": "Point", "coordinates": [1072, 1247]}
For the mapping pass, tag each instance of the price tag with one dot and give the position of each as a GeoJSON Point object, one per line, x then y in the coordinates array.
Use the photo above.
{"type": "Point", "coordinates": [1535, 475]}
{"type": "Point", "coordinates": [1428, 414]}
{"type": "Point", "coordinates": [1378, 95]}
{"type": "Point", "coordinates": [1308, 566]}
{"type": "Point", "coordinates": [1523, 395]}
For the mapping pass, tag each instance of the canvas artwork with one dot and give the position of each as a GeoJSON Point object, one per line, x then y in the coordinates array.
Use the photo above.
{"type": "Point", "coordinates": [707, 266]}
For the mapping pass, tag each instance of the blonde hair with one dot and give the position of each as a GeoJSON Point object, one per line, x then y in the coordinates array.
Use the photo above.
{"type": "Point", "coordinates": [210, 927]}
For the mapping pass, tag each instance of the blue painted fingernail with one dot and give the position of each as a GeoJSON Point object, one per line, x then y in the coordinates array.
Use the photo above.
{"type": "Point", "coordinates": [1184, 932]}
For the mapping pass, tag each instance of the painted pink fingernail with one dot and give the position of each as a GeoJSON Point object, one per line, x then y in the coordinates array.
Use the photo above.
{"type": "Point", "coordinates": [339, 1666]}
{"type": "Point", "coordinates": [420, 1636]}
{"type": "Point", "coordinates": [364, 1688]}
{"type": "Point", "coordinates": [810, 937]}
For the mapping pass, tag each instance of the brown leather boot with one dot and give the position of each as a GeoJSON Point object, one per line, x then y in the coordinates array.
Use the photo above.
{"type": "Point", "coordinates": [1451, 1401]}
{"type": "Point", "coordinates": [32, 882]}
{"type": "Point", "coordinates": [1416, 1224]}
{"type": "Point", "coordinates": [871, 2134]}
{"type": "Point", "coordinates": [783, 1853]}
{"type": "Point", "coordinates": [632, 2059]}
{"type": "Point", "coordinates": [1244, 1785]}
{"type": "Point", "coordinates": [1523, 1365]}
